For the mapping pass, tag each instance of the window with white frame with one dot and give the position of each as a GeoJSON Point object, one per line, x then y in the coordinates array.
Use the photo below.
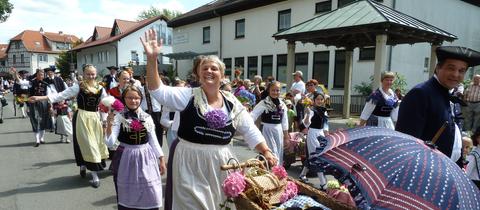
{"type": "Point", "coordinates": [284, 21]}
{"type": "Point", "coordinates": [206, 35]}
{"type": "Point", "coordinates": [43, 57]}
{"type": "Point", "coordinates": [240, 28]}
{"type": "Point", "coordinates": [323, 6]}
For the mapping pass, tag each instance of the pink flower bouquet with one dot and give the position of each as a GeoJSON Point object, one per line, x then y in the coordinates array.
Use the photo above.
{"type": "Point", "coordinates": [110, 103]}
{"type": "Point", "coordinates": [234, 184]}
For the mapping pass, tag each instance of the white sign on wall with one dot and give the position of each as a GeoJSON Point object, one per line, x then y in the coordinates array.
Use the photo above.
{"type": "Point", "coordinates": [180, 38]}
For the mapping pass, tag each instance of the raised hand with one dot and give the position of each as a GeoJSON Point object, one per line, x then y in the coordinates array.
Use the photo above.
{"type": "Point", "coordinates": [151, 44]}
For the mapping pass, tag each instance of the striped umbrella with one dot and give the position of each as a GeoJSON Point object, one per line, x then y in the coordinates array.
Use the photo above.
{"type": "Point", "coordinates": [392, 170]}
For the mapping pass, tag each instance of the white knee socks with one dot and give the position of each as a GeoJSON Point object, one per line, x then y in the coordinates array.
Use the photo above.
{"type": "Point", "coordinates": [95, 176]}
{"type": "Point", "coordinates": [304, 171]}
{"type": "Point", "coordinates": [323, 179]}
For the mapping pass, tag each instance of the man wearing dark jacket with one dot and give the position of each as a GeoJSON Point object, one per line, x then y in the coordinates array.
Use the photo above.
{"type": "Point", "coordinates": [430, 105]}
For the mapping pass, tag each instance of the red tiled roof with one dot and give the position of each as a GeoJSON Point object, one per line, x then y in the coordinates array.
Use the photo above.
{"type": "Point", "coordinates": [126, 28]}
{"type": "Point", "coordinates": [34, 41]}
{"type": "Point", "coordinates": [124, 25]}
{"type": "Point", "coordinates": [103, 31]}
{"type": "Point", "coordinates": [57, 37]}
{"type": "Point", "coordinates": [3, 50]}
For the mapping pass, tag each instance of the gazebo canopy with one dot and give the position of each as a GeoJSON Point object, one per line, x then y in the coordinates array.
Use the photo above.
{"type": "Point", "coordinates": [187, 55]}
{"type": "Point", "coordinates": [358, 24]}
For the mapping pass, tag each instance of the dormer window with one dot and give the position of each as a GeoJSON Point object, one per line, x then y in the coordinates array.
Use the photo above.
{"type": "Point", "coordinates": [37, 44]}
{"type": "Point", "coordinates": [117, 31]}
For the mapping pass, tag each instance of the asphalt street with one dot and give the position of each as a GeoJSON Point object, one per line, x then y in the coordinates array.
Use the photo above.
{"type": "Point", "coordinates": [47, 177]}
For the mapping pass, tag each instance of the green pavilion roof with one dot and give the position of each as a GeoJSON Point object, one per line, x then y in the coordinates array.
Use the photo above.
{"type": "Point", "coordinates": [357, 24]}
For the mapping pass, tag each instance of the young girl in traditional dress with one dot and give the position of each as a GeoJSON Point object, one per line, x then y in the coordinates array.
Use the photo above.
{"type": "Point", "coordinates": [316, 119]}
{"type": "Point", "coordinates": [138, 162]}
{"type": "Point", "coordinates": [88, 140]}
{"type": "Point", "coordinates": [63, 123]}
{"type": "Point", "coordinates": [273, 113]}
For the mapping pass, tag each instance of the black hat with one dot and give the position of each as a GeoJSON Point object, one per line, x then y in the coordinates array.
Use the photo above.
{"type": "Point", "coordinates": [468, 55]}
{"type": "Point", "coordinates": [112, 68]}
{"type": "Point", "coordinates": [23, 72]}
{"type": "Point", "coordinates": [48, 69]}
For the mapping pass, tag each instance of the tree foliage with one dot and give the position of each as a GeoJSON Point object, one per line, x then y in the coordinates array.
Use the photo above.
{"type": "Point", "coordinates": [5, 10]}
{"type": "Point", "coordinates": [153, 12]}
{"type": "Point", "coordinates": [65, 58]}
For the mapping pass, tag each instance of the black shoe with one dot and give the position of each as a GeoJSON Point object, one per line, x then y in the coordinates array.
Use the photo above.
{"type": "Point", "coordinates": [95, 184]}
{"type": "Point", "coordinates": [83, 173]}
{"type": "Point", "coordinates": [36, 145]}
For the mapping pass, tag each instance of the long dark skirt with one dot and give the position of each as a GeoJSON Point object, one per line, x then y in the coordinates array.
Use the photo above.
{"type": "Point", "coordinates": [78, 154]}
{"type": "Point", "coordinates": [39, 116]}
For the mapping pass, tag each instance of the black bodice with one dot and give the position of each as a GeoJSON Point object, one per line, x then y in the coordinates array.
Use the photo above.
{"type": "Point", "coordinates": [88, 101]}
{"type": "Point", "coordinates": [319, 118]}
{"type": "Point", "coordinates": [133, 137]}
{"type": "Point", "coordinates": [39, 88]}
{"type": "Point", "coordinates": [193, 127]}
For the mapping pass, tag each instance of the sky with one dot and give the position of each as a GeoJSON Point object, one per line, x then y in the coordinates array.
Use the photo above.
{"type": "Point", "coordinates": [79, 17]}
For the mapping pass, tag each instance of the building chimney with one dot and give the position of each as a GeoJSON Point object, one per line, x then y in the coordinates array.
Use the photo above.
{"type": "Point", "coordinates": [60, 32]}
{"type": "Point", "coordinates": [41, 30]}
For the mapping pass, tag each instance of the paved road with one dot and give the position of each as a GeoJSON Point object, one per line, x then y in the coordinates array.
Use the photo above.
{"type": "Point", "coordinates": [46, 177]}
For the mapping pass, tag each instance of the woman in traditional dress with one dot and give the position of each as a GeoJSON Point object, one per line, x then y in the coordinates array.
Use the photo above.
{"type": "Point", "coordinates": [209, 119]}
{"type": "Point", "coordinates": [381, 108]}
{"type": "Point", "coordinates": [273, 113]}
{"type": "Point", "coordinates": [316, 119]}
{"type": "Point", "coordinates": [138, 162]}
{"type": "Point", "coordinates": [124, 79]}
{"type": "Point", "coordinates": [88, 140]}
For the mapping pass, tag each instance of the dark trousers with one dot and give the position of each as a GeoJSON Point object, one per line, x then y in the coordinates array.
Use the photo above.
{"type": "Point", "coordinates": [156, 116]}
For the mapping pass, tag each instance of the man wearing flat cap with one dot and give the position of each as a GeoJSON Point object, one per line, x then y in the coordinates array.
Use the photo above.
{"type": "Point", "coordinates": [110, 79]}
{"type": "Point", "coordinates": [430, 105]}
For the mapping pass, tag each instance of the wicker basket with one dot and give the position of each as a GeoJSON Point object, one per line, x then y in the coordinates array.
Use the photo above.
{"type": "Point", "coordinates": [243, 202]}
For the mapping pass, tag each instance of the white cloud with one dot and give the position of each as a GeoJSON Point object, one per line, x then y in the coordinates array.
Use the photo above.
{"type": "Point", "coordinates": [67, 16]}
{"type": "Point", "coordinates": [171, 5]}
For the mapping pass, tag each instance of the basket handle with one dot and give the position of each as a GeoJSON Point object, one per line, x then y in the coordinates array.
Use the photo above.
{"type": "Point", "coordinates": [240, 165]}
{"type": "Point", "coordinates": [264, 160]}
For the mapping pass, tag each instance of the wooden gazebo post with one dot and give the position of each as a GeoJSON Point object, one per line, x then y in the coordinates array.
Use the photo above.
{"type": "Point", "coordinates": [380, 59]}
{"type": "Point", "coordinates": [347, 83]}
{"type": "Point", "coordinates": [433, 60]}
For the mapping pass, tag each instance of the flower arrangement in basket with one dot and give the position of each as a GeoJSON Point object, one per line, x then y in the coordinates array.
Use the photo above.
{"type": "Point", "coordinates": [258, 184]}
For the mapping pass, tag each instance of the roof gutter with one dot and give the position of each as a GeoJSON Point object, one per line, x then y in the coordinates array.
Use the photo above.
{"type": "Point", "coordinates": [221, 32]}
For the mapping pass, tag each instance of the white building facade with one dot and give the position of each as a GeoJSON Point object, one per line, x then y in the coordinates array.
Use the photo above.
{"type": "Point", "coordinates": [243, 39]}
{"type": "Point", "coordinates": [31, 50]}
{"type": "Point", "coordinates": [121, 45]}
